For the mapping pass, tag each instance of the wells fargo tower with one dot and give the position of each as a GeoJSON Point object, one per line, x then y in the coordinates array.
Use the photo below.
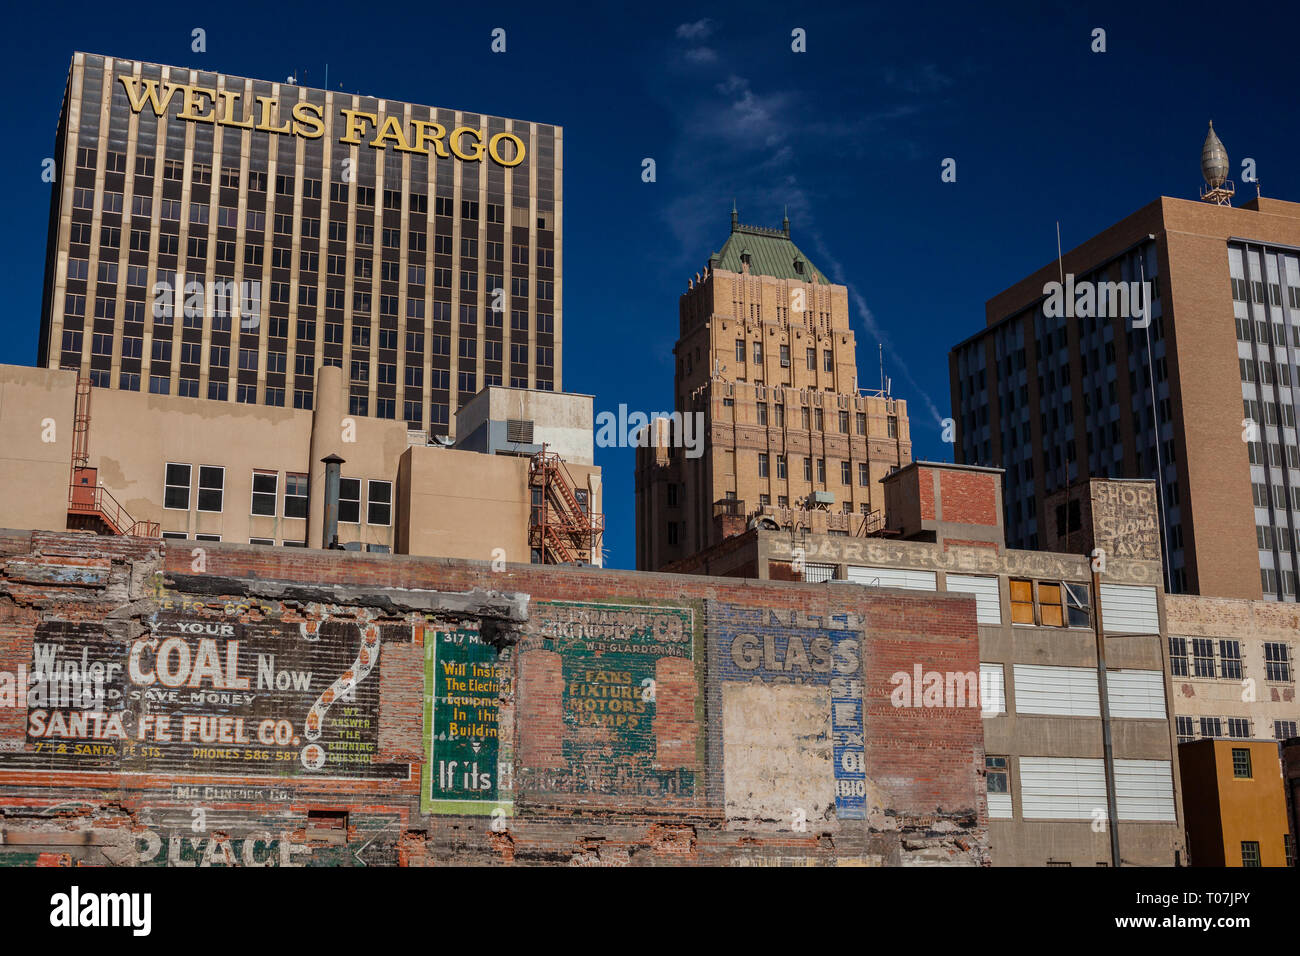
{"type": "Point", "coordinates": [766, 355]}
{"type": "Point", "coordinates": [416, 248]}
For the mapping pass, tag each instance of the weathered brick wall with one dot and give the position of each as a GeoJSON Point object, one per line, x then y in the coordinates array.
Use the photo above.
{"type": "Point", "coordinates": [625, 717]}
{"type": "Point", "coordinates": [969, 498]}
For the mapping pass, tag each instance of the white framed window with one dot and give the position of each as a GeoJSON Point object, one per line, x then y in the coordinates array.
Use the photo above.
{"type": "Point", "coordinates": [988, 603]}
{"type": "Point", "coordinates": [266, 486]}
{"type": "Point", "coordinates": [349, 501]}
{"type": "Point", "coordinates": [207, 537]}
{"type": "Point", "coordinates": [295, 495]}
{"type": "Point", "coordinates": [270, 541]}
{"type": "Point", "coordinates": [379, 500]}
{"type": "Point", "coordinates": [212, 487]}
{"type": "Point", "coordinates": [993, 689]}
{"type": "Point", "coordinates": [176, 487]}
{"type": "Point", "coordinates": [175, 535]}
{"type": "Point", "coordinates": [997, 781]}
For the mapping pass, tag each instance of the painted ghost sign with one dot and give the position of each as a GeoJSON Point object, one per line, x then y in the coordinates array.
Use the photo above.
{"type": "Point", "coordinates": [625, 723]}
{"type": "Point", "coordinates": [210, 695]}
{"type": "Point", "coordinates": [804, 677]}
{"type": "Point", "coordinates": [468, 769]}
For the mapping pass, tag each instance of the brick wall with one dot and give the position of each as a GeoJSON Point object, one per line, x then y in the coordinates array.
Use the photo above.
{"type": "Point", "coordinates": [969, 498]}
{"type": "Point", "coordinates": [582, 716]}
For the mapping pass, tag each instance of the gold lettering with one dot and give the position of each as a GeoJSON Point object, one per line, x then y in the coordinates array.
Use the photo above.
{"type": "Point", "coordinates": [137, 99]}
{"type": "Point", "coordinates": [455, 138]}
{"type": "Point", "coordinates": [228, 99]}
{"type": "Point", "coordinates": [356, 125]}
{"type": "Point", "coordinates": [439, 131]}
{"type": "Point", "coordinates": [268, 106]}
{"type": "Point", "coordinates": [392, 129]}
{"type": "Point", "coordinates": [308, 121]}
{"type": "Point", "coordinates": [194, 97]}
{"type": "Point", "coordinates": [495, 153]}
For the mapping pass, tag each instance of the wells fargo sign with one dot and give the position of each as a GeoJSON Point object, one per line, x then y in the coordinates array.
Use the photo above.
{"type": "Point", "coordinates": [200, 104]}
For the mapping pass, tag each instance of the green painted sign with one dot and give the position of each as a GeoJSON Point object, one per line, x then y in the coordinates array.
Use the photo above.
{"type": "Point", "coordinates": [466, 760]}
{"type": "Point", "coordinates": [612, 664]}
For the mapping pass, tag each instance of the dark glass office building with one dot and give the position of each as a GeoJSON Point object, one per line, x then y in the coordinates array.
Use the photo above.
{"type": "Point", "coordinates": [222, 238]}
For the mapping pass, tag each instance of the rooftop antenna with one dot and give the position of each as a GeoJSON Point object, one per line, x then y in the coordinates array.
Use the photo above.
{"type": "Point", "coordinates": [1218, 188]}
{"type": "Point", "coordinates": [1060, 262]}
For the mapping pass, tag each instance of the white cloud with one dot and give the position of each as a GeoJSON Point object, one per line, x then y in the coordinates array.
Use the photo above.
{"type": "Point", "coordinates": [699, 30]}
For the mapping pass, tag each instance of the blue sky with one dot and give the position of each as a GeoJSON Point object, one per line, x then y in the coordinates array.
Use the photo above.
{"type": "Point", "coordinates": [850, 135]}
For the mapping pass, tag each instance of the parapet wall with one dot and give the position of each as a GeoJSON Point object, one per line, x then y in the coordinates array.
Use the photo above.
{"type": "Point", "coordinates": [231, 705]}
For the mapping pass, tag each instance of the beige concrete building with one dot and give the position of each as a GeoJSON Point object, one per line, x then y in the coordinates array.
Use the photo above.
{"type": "Point", "coordinates": [1233, 667]}
{"type": "Point", "coordinates": [223, 471]}
{"type": "Point", "coordinates": [767, 362]}
{"type": "Point", "coordinates": [1040, 668]}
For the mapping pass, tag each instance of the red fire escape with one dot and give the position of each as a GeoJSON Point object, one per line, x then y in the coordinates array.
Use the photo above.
{"type": "Point", "coordinates": [90, 505]}
{"type": "Point", "coordinates": [560, 528]}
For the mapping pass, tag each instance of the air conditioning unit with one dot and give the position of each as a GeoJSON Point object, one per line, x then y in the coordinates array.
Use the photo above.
{"type": "Point", "coordinates": [819, 498]}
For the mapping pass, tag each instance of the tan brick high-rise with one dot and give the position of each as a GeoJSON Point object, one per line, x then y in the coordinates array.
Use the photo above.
{"type": "Point", "coordinates": [1054, 401]}
{"type": "Point", "coordinates": [766, 355]}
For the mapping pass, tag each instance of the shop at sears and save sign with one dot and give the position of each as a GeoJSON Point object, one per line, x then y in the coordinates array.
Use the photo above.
{"type": "Point", "coordinates": [212, 696]}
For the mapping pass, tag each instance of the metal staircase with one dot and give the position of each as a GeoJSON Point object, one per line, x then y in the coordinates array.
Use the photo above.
{"type": "Point", "coordinates": [560, 529]}
{"type": "Point", "coordinates": [91, 507]}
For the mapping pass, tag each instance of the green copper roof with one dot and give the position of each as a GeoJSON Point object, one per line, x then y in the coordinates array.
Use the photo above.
{"type": "Point", "coordinates": [770, 253]}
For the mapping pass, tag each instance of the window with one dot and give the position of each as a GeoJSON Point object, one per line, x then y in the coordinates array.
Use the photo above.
{"type": "Point", "coordinates": [1238, 727]}
{"type": "Point", "coordinates": [995, 775]}
{"type": "Point", "coordinates": [380, 503]}
{"type": "Point", "coordinates": [863, 474]}
{"type": "Point", "coordinates": [1049, 605]}
{"type": "Point", "coordinates": [1211, 727]}
{"type": "Point", "coordinates": [176, 487]}
{"type": "Point", "coordinates": [821, 471]}
{"type": "Point", "coordinates": [1230, 660]}
{"type": "Point", "coordinates": [740, 350]}
{"type": "Point", "coordinates": [1284, 729]}
{"type": "Point", "coordinates": [1202, 657]}
{"type": "Point", "coordinates": [844, 421]}
{"type": "Point", "coordinates": [846, 473]}
{"type": "Point", "coordinates": [861, 422]}
{"type": "Point", "coordinates": [828, 361]}
{"type": "Point", "coordinates": [212, 483]}
{"type": "Point", "coordinates": [807, 469]}
{"type": "Point", "coordinates": [1250, 853]}
{"type": "Point", "coordinates": [812, 360]}
{"type": "Point", "coordinates": [1241, 762]}
{"type": "Point", "coordinates": [295, 495]}
{"type": "Point", "coordinates": [349, 501]}
{"type": "Point", "coordinates": [762, 413]}
{"type": "Point", "coordinates": [1078, 605]}
{"type": "Point", "coordinates": [1022, 602]}
{"type": "Point", "coordinates": [762, 464]}
{"type": "Point", "coordinates": [1178, 656]}
{"type": "Point", "coordinates": [1186, 729]}
{"type": "Point", "coordinates": [1277, 662]}
{"type": "Point", "coordinates": [265, 486]}
{"type": "Point", "coordinates": [780, 467]}
{"type": "Point", "coordinates": [785, 356]}
{"type": "Point", "coordinates": [758, 353]}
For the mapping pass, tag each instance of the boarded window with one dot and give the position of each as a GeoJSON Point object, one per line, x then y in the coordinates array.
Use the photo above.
{"type": "Point", "coordinates": [1022, 602]}
{"type": "Point", "coordinates": [1049, 605]}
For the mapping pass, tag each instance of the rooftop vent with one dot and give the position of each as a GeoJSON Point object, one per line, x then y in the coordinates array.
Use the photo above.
{"type": "Point", "coordinates": [519, 431]}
